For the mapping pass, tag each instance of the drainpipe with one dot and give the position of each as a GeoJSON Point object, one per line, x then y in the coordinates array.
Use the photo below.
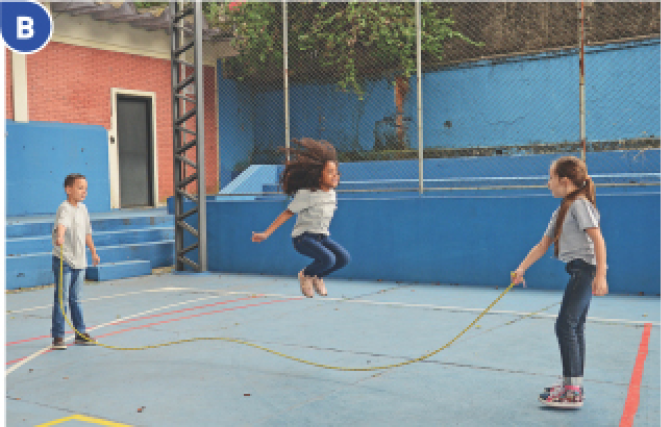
{"type": "Point", "coordinates": [581, 84]}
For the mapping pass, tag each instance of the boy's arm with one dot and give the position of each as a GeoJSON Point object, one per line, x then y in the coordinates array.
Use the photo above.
{"type": "Point", "coordinates": [62, 223]}
{"type": "Point", "coordinates": [90, 244]}
{"type": "Point", "coordinates": [535, 254]}
{"type": "Point", "coordinates": [600, 285]}
{"type": "Point", "coordinates": [281, 219]}
{"type": "Point", "coordinates": [61, 229]}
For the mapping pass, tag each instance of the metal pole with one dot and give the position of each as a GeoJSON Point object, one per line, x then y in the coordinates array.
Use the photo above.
{"type": "Point", "coordinates": [418, 25]}
{"type": "Point", "coordinates": [581, 84]}
{"type": "Point", "coordinates": [199, 120]}
{"type": "Point", "coordinates": [285, 59]}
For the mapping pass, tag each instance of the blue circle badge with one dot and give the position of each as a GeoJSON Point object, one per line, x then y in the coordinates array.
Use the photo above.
{"type": "Point", "coordinates": [26, 26]}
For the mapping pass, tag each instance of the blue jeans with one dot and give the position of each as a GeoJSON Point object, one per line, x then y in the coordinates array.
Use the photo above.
{"type": "Point", "coordinates": [72, 279]}
{"type": "Point", "coordinates": [328, 255]}
{"type": "Point", "coordinates": [571, 321]}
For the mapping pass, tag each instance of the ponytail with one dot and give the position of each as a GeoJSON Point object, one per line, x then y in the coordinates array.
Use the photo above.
{"type": "Point", "coordinates": [591, 191]}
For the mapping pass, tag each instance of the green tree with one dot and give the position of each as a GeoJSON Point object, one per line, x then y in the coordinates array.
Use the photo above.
{"type": "Point", "coordinates": [342, 42]}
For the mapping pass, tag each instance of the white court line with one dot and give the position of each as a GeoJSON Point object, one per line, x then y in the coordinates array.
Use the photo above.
{"type": "Point", "coordinates": [166, 289]}
{"type": "Point", "coordinates": [44, 350]}
{"type": "Point", "coordinates": [472, 310]}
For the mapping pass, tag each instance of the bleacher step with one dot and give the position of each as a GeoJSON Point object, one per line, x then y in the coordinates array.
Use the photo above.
{"type": "Point", "coordinates": [24, 271]}
{"type": "Point", "coordinates": [28, 245]}
{"type": "Point", "coordinates": [118, 270]}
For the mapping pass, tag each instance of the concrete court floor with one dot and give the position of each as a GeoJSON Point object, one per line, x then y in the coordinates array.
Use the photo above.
{"type": "Point", "coordinates": [490, 377]}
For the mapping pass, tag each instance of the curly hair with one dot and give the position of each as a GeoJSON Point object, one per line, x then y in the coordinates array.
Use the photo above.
{"type": "Point", "coordinates": [577, 172]}
{"type": "Point", "coordinates": [307, 163]}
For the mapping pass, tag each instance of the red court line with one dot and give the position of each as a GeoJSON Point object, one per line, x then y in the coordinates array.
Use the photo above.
{"type": "Point", "coordinates": [14, 361]}
{"type": "Point", "coordinates": [196, 315]}
{"type": "Point", "coordinates": [633, 396]}
{"type": "Point", "coordinates": [32, 339]}
{"type": "Point", "coordinates": [23, 358]}
{"type": "Point", "coordinates": [140, 318]}
{"type": "Point", "coordinates": [180, 318]}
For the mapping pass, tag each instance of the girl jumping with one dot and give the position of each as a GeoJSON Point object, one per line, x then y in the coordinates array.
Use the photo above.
{"type": "Point", "coordinates": [574, 228]}
{"type": "Point", "coordinates": [311, 177]}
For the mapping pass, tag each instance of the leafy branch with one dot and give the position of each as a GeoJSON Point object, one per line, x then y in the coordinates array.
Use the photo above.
{"type": "Point", "coordinates": [347, 41]}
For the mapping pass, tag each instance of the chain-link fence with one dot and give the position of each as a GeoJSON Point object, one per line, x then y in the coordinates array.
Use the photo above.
{"type": "Point", "coordinates": [500, 89]}
{"type": "Point", "coordinates": [500, 92]}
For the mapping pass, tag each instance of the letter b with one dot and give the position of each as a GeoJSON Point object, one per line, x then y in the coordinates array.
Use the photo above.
{"type": "Point", "coordinates": [24, 27]}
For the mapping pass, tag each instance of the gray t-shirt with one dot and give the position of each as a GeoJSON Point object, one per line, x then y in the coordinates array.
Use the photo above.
{"type": "Point", "coordinates": [76, 219]}
{"type": "Point", "coordinates": [315, 210]}
{"type": "Point", "coordinates": [574, 241]}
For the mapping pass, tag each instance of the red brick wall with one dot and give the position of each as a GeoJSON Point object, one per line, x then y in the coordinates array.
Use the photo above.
{"type": "Point", "coordinates": [71, 84]}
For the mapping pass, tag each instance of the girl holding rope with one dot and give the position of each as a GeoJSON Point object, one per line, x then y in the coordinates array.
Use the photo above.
{"type": "Point", "coordinates": [574, 228]}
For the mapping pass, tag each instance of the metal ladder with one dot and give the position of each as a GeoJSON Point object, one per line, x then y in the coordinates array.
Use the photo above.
{"type": "Point", "coordinates": [187, 109]}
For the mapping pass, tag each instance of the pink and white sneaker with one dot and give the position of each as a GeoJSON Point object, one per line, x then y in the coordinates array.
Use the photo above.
{"type": "Point", "coordinates": [565, 397]}
{"type": "Point", "coordinates": [557, 387]}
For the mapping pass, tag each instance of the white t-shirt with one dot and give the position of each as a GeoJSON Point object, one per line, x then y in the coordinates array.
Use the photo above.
{"type": "Point", "coordinates": [315, 210]}
{"type": "Point", "coordinates": [76, 219]}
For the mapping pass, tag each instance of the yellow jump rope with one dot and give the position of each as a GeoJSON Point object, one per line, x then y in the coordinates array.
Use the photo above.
{"type": "Point", "coordinates": [277, 353]}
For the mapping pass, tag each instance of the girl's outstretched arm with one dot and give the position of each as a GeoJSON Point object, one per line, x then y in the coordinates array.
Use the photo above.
{"type": "Point", "coordinates": [599, 285]}
{"type": "Point", "coordinates": [535, 253]}
{"type": "Point", "coordinates": [281, 219]}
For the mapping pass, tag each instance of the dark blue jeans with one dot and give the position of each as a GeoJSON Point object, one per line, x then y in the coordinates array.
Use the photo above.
{"type": "Point", "coordinates": [73, 286]}
{"type": "Point", "coordinates": [328, 255]}
{"type": "Point", "coordinates": [571, 321]}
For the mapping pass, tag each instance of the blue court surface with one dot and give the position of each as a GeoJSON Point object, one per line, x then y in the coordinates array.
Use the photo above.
{"type": "Point", "coordinates": [491, 376]}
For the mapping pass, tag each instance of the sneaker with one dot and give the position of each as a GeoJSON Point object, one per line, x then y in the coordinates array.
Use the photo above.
{"type": "Point", "coordinates": [84, 339]}
{"type": "Point", "coordinates": [553, 391]}
{"type": "Point", "coordinates": [567, 397]}
{"type": "Point", "coordinates": [306, 284]}
{"type": "Point", "coordinates": [58, 344]}
{"type": "Point", "coordinates": [319, 286]}
{"type": "Point", "coordinates": [557, 387]}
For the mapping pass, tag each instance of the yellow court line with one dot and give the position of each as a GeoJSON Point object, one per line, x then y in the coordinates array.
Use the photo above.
{"type": "Point", "coordinates": [86, 419]}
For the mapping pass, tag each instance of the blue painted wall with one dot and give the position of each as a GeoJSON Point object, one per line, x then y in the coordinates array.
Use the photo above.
{"type": "Point", "coordinates": [41, 154]}
{"type": "Point", "coordinates": [235, 124]}
{"type": "Point", "coordinates": [607, 167]}
{"type": "Point", "coordinates": [469, 241]}
{"type": "Point", "coordinates": [603, 162]}
{"type": "Point", "coordinates": [521, 100]}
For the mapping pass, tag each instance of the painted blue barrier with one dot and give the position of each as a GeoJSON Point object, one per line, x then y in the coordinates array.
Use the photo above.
{"type": "Point", "coordinates": [520, 100]}
{"type": "Point", "coordinates": [368, 178]}
{"type": "Point", "coordinates": [235, 115]}
{"type": "Point", "coordinates": [41, 154]}
{"type": "Point", "coordinates": [469, 241]}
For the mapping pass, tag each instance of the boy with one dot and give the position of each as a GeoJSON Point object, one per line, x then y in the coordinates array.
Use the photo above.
{"type": "Point", "coordinates": [72, 230]}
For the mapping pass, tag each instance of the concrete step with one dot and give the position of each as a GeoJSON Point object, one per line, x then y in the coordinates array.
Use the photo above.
{"type": "Point", "coordinates": [36, 244]}
{"type": "Point", "coordinates": [43, 226]}
{"type": "Point", "coordinates": [25, 271]}
{"type": "Point", "coordinates": [118, 270]}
